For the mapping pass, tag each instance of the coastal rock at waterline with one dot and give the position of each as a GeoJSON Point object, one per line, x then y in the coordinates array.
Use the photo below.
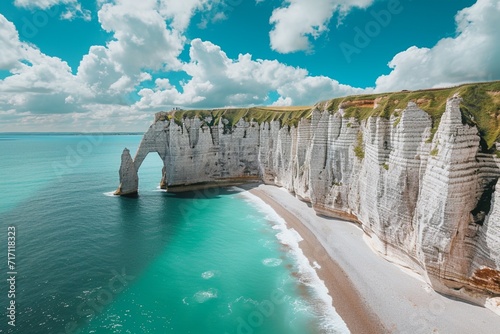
{"type": "Point", "coordinates": [129, 180]}
{"type": "Point", "coordinates": [426, 201]}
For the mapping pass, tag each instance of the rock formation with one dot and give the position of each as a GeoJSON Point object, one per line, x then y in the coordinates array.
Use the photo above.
{"type": "Point", "coordinates": [129, 180]}
{"type": "Point", "coordinates": [424, 194]}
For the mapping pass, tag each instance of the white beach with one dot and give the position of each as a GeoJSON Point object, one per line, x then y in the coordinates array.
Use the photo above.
{"type": "Point", "coordinates": [371, 294]}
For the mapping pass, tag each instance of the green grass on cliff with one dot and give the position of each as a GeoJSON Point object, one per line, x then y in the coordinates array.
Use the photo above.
{"type": "Point", "coordinates": [480, 107]}
{"type": "Point", "coordinates": [230, 117]}
{"type": "Point", "coordinates": [359, 149]}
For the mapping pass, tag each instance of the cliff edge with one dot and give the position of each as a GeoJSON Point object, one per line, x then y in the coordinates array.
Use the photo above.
{"type": "Point", "coordinates": [417, 170]}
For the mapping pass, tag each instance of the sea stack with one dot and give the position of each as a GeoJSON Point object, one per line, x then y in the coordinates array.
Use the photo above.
{"type": "Point", "coordinates": [129, 180]}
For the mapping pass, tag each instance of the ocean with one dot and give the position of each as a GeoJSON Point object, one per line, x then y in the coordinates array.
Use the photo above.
{"type": "Point", "coordinates": [212, 261]}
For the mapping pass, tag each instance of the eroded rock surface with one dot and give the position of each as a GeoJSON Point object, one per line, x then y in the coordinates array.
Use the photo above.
{"type": "Point", "coordinates": [426, 201]}
{"type": "Point", "coordinates": [129, 180]}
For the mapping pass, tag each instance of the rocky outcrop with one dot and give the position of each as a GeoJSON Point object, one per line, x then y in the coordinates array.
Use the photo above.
{"type": "Point", "coordinates": [197, 154]}
{"type": "Point", "coordinates": [129, 180]}
{"type": "Point", "coordinates": [426, 200]}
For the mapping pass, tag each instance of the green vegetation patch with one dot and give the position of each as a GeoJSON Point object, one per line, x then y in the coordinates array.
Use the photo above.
{"type": "Point", "coordinates": [231, 117]}
{"type": "Point", "coordinates": [359, 149]}
{"type": "Point", "coordinates": [480, 107]}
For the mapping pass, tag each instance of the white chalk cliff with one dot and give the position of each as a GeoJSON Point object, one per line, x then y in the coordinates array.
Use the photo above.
{"type": "Point", "coordinates": [425, 201]}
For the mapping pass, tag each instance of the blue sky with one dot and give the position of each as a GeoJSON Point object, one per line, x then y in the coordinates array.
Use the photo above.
{"type": "Point", "coordinates": [99, 65]}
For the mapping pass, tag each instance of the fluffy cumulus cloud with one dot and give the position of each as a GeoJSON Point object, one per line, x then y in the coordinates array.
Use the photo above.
{"type": "Point", "coordinates": [38, 83]}
{"type": "Point", "coordinates": [43, 4]}
{"type": "Point", "coordinates": [297, 21]}
{"type": "Point", "coordinates": [473, 55]}
{"type": "Point", "coordinates": [73, 9]}
{"type": "Point", "coordinates": [40, 86]}
{"type": "Point", "coordinates": [9, 39]}
{"type": "Point", "coordinates": [76, 11]}
{"type": "Point", "coordinates": [148, 37]}
{"type": "Point", "coordinates": [218, 81]}
{"type": "Point", "coordinates": [141, 42]}
{"type": "Point", "coordinates": [181, 12]}
{"type": "Point", "coordinates": [106, 75]}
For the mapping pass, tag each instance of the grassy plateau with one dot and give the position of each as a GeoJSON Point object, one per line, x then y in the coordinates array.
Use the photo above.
{"type": "Point", "coordinates": [480, 107]}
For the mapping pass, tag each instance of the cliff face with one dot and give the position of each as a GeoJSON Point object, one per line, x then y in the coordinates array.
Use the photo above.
{"type": "Point", "coordinates": [197, 155]}
{"type": "Point", "coordinates": [129, 180]}
{"type": "Point", "coordinates": [426, 200]}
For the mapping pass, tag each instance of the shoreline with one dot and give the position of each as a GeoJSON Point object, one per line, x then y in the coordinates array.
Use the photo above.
{"type": "Point", "coordinates": [346, 301]}
{"type": "Point", "coordinates": [371, 294]}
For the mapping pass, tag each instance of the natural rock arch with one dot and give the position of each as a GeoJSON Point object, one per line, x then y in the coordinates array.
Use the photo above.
{"type": "Point", "coordinates": [129, 168]}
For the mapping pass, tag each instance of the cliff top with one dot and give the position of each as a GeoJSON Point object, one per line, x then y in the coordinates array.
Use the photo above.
{"type": "Point", "coordinates": [480, 107]}
{"type": "Point", "coordinates": [287, 116]}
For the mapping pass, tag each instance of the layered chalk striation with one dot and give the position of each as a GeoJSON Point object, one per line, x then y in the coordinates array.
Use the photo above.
{"type": "Point", "coordinates": [417, 170]}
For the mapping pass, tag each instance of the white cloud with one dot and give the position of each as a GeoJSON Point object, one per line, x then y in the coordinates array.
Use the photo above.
{"type": "Point", "coordinates": [73, 9]}
{"type": "Point", "coordinates": [100, 118]}
{"type": "Point", "coordinates": [42, 4]}
{"type": "Point", "coordinates": [38, 83]}
{"type": "Point", "coordinates": [297, 21]}
{"type": "Point", "coordinates": [76, 11]}
{"type": "Point", "coordinates": [283, 102]}
{"type": "Point", "coordinates": [219, 81]}
{"type": "Point", "coordinates": [181, 12]}
{"type": "Point", "coordinates": [9, 40]}
{"type": "Point", "coordinates": [148, 37]}
{"type": "Point", "coordinates": [473, 55]}
{"type": "Point", "coordinates": [141, 35]}
{"type": "Point", "coordinates": [41, 86]}
{"type": "Point", "coordinates": [141, 42]}
{"type": "Point", "coordinates": [309, 90]}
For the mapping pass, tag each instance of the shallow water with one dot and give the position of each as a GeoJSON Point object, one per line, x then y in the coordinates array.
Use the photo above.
{"type": "Point", "coordinates": [217, 261]}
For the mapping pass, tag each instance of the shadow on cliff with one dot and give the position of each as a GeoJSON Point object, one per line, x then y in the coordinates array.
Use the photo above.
{"type": "Point", "coordinates": [205, 194]}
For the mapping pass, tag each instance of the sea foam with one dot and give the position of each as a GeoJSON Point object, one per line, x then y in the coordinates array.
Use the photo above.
{"type": "Point", "coordinates": [208, 275]}
{"type": "Point", "coordinates": [331, 321]}
{"type": "Point", "coordinates": [203, 296]}
{"type": "Point", "coordinates": [272, 262]}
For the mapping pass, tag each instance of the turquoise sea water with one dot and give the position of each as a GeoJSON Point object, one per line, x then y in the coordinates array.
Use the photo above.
{"type": "Point", "coordinates": [217, 261]}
